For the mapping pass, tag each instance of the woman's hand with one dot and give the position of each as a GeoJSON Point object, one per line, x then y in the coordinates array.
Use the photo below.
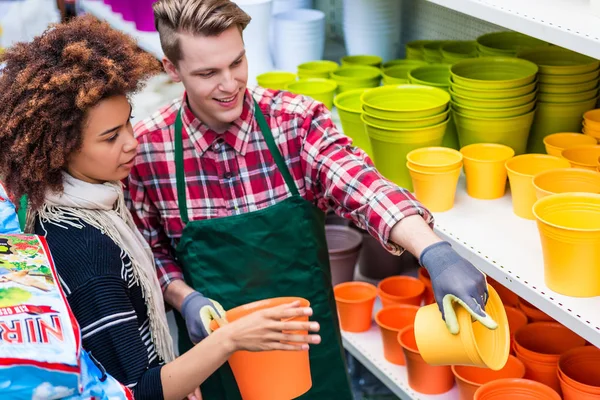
{"type": "Point", "coordinates": [269, 329]}
{"type": "Point", "coordinates": [196, 395]}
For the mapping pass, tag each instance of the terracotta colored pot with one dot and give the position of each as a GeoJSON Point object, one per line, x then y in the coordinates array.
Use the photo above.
{"type": "Point", "coordinates": [401, 290]}
{"type": "Point", "coordinates": [515, 389]}
{"type": "Point", "coordinates": [579, 369]}
{"type": "Point", "coordinates": [533, 313]}
{"type": "Point", "coordinates": [507, 296]}
{"type": "Point", "coordinates": [355, 302]}
{"type": "Point", "coordinates": [469, 379]}
{"type": "Point", "coordinates": [516, 320]}
{"type": "Point", "coordinates": [375, 262]}
{"type": "Point", "coordinates": [423, 377]}
{"type": "Point", "coordinates": [428, 295]}
{"type": "Point", "coordinates": [392, 320]}
{"type": "Point", "coordinates": [344, 247]}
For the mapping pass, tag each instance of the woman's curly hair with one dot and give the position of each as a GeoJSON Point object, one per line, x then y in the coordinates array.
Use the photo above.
{"type": "Point", "coordinates": [46, 89]}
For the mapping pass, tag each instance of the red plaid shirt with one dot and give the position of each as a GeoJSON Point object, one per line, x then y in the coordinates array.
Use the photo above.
{"type": "Point", "coordinates": [234, 173]}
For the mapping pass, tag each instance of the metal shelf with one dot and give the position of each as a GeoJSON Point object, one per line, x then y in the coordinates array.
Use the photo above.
{"type": "Point", "coordinates": [567, 23]}
{"type": "Point", "coordinates": [508, 249]}
{"type": "Point", "coordinates": [148, 41]}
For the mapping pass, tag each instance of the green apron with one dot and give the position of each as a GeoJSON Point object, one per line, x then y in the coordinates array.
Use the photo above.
{"type": "Point", "coordinates": [273, 252]}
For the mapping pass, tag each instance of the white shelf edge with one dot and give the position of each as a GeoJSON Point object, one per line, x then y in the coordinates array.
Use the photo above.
{"type": "Point", "coordinates": [569, 24]}
{"type": "Point", "coordinates": [148, 41]}
{"type": "Point", "coordinates": [515, 260]}
{"type": "Point", "coordinates": [367, 348]}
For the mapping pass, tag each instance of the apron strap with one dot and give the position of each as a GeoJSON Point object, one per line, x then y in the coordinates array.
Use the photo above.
{"type": "Point", "coordinates": [179, 170]}
{"type": "Point", "coordinates": [268, 136]}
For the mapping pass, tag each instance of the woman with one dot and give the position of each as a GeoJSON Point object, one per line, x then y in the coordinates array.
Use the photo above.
{"type": "Point", "coordinates": [67, 142]}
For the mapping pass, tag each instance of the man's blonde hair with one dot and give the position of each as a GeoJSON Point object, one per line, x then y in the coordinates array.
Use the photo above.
{"type": "Point", "coordinates": [196, 17]}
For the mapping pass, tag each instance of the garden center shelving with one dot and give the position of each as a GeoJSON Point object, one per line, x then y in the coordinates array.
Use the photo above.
{"type": "Point", "coordinates": [504, 246]}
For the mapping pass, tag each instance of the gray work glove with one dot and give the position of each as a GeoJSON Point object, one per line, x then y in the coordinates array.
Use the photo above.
{"type": "Point", "coordinates": [198, 311]}
{"type": "Point", "coordinates": [456, 280]}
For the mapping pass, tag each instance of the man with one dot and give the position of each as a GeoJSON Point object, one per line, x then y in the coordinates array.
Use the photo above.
{"type": "Point", "coordinates": [229, 189]}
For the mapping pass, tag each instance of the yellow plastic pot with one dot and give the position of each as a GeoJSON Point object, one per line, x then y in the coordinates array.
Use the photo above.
{"type": "Point", "coordinates": [585, 157]}
{"type": "Point", "coordinates": [321, 90]}
{"type": "Point", "coordinates": [491, 103]}
{"type": "Point", "coordinates": [557, 142]}
{"type": "Point", "coordinates": [276, 80]}
{"type": "Point", "coordinates": [591, 119]}
{"type": "Point", "coordinates": [521, 170]}
{"type": "Point", "coordinates": [568, 79]}
{"type": "Point", "coordinates": [568, 88]}
{"type": "Point", "coordinates": [484, 169]}
{"type": "Point", "coordinates": [436, 190]}
{"type": "Point", "coordinates": [317, 69]}
{"type": "Point", "coordinates": [434, 159]}
{"type": "Point", "coordinates": [475, 344]}
{"type": "Point", "coordinates": [390, 147]}
{"type": "Point", "coordinates": [362, 59]}
{"type": "Point", "coordinates": [567, 97]}
{"type": "Point", "coordinates": [565, 181]}
{"type": "Point", "coordinates": [349, 109]}
{"type": "Point", "coordinates": [493, 73]}
{"type": "Point", "coordinates": [397, 75]}
{"type": "Point", "coordinates": [478, 112]}
{"type": "Point", "coordinates": [405, 102]}
{"type": "Point", "coordinates": [569, 226]}
{"type": "Point", "coordinates": [406, 123]}
{"type": "Point", "coordinates": [403, 61]}
{"type": "Point", "coordinates": [591, 133]}
{"type": "Point", "coordinates": [491, 94]}
{"type": "Point", "coordinates": [553, 60]}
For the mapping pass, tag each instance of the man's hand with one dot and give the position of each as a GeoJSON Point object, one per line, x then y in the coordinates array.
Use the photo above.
{"type": "Point", "coordinates": [198, 311]}
{"type": "Point", "coordinates": [456, 280]}
{"type": "Point", "coordinates": [196, 395]}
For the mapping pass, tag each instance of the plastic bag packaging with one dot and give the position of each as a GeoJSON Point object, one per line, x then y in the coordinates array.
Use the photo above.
{"type": "Point", "coordinates": [9, 221]}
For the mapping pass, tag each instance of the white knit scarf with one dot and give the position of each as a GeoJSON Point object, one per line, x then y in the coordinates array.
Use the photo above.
{"type": "Point", "coordinates": [103, 207]}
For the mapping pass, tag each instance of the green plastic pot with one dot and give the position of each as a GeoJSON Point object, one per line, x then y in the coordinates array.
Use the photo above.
{"type": "Point", "coordinates": [568, 79]}
{"type": "Point", "coordinates": [321, 90]}
{"type": "Point", "coordinates": [397, 74]}
{"type": "Point", "coordinates": [555, 118]}
{"type": "Point", "coordinates": [362, 59]}
{"type": "Point", "coordinates": [490, 94]}
{"type": "Point", "coordinates": [479, 112]}
{"type": "Point", "coordinates": [458, 50]}
{"type": "Point", "coordinates": [349, 109]}
{"type": "Point", "coordinates": [451, 136]}
{"type": "Point", "coordinates": [317, 69]}
{"type": "Point", "coordinates": [405, 101]}
{"type": "Point", "coordinates": [436, 75]}
{"type": "Point", "coordinates": [406, 123]}
{"type": "Point", "coordinates": [356, 77]}
{"type": "Point", "coordinates": [432, 51]}
{"type": "Point", "coordinates": [403, 61]}
{"type": "Point", "coordinates": [507, 43]}
{"type": "Point", "coordinates": [414, 49]}
{"type": "Point", "coordinates": [512, 132]}
{"type": "Point", "coordinates": [568, 88]}
{"type": "Point", "coordinates": [567, 97]}
{"type": "Point", "coordinates": [559, 61]}
{"type": "Point", "coordinates": [276, 80]}
{"type": "Point", "coordinates": [493, 73]}
{"type": "Point", "coordinates": [491, 103]}
{"type": "Point", "coordinates": [390, 147]}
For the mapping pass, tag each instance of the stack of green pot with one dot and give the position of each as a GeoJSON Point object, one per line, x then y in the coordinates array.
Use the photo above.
{"type": "Point", "coordinates": [437, 75]}
{"type": "Point", "coordinates": [317, 69]}
{"type": "Point", "coordinates": [276, 80]}
{"type": "Point", "coordinates": [349, 109]}
{"type": "Point", "coordinates": [494, 100]}
{"type": "Point", "coordinates": [356, 77]}
{"type": "Point", "coordinates": [432, 51]}
{"type": "Point", "coordinates": [506, 44]}
{"type": "Point", "coordinates": [568, 87]}
{"type": "Point", "coordinates": [414, 49]}
{"type": "Point", "coordinates": [362, 59]}
{"type": "Point", "coordinates": [400, 119]}
{"type": "Point", "coordinates": [403, 61]}
{"type": "Point", "coordinates": [320, 89]}
{"type": "Point", "coordinates": [458, 50]}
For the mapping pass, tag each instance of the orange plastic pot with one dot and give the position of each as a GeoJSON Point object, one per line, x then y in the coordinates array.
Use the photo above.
{"type": "Point", "coordinates": [542, 372]}
{"type": "Point", "coordinates": [515, 389]}
{"type": "Point", "coordinates": [571, 393]}
{"type": "Point", "coordinates": [516, 320]}
{"type": "Point", "coordinates": [533, 313]}
{"type": "Point", "coordinates": [355, 305]}
{"type": "Point", "coordinates": [400, 290]}
{"type": "Point", "coordinates": [579, 368]}
{"type": "Point", "coordinates": [428, 295]}
{"type": "Point", "coordinates": [270, 375]}
{"type": "Point", "coordinates": [508, 297]}
{"type": "Point", "coordinates": [469, 379]}
{"type": "Point", "coordinates": [422, 377]}
{"type": "Point", "coordinates": [392, 320]}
